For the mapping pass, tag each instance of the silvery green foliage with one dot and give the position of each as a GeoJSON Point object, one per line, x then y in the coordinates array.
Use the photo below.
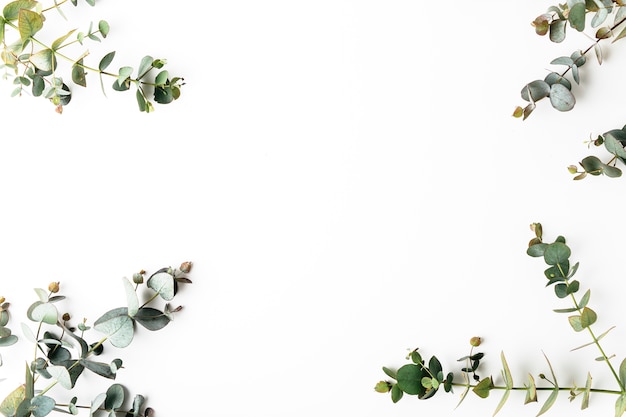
{"type": "Point", "coordinates": [607, 18]}
{"type": "Point", "coordinates": [424, 379]}
{"type": "Point", "coordinates": [33, 66]}
{"type": "Point", "coordinates": [64, 352]}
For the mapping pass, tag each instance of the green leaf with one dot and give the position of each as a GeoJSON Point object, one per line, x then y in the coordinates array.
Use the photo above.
{"type": "Point", "coordinates": [78, 74]}
{"type": "Point", "coordinates": [549, 402]}
{"type": "Point", "coordinates": [103, 27]}
{"type": "Point", "coordinates": [621, 35]}
{"type": "Point", "coordinates": [588, 317]}
{"type": "Point", "coordinates": [163, 283]}
{"type": "Point", "coordinates": [483, 387]}
{"type": "Point", "coordinates": [161, 77]}
{"type": "Point", "coordinates": [61, 375]}
{"type": "Point", "coordinates": [42, 312]}
{"type": "Point", "coordinates": [2, 23]}
{"type": "Point", "coordinates": [561, 97]}
{"type": "Point", "coordinates": [592, 165]}
{"type": "Point", "coordinates": [43, 60]}
{"type": "Point", "coordinates": [41, 405]}
{"type": "Point", "coordinates": [9, 405]}
{"type": "Point", "coordinates": [390, 373]}
{"type": "Point", "coordinates": [576, 323]}
{"type": "Point", "coordinates": [96, 403]}
{"type": "Point", "coordinates": [556, 78]}
{"type": "Point", "coordinates": [585, 401]}
{"type": "Point", "coordinates": [11, 10]}
{"type": "Point", "coordinates": [576, 15]}
{"type": "Point", "coordinates": [8, 341]}
{"type": "Point", "coordinates": [58, 42]}
{"type": "Point", "coordinates": [144, 66]}
{"type": "Point", "coordinates": [396, 394]}
{"type": "Point", "coordinates": [114, 397]}
{"type": "Point", "coordinates": [537, 250]}
{"type": "Point", "coordinates": [565, 310]}
{"type": "Point", "coordinates": [535, 90]}
{"type": "Point", "coordinates": [131, 297]}
{"type": "Point", "coordinates": [560, 290]}
{"type": "Point", "coordinates": [434, 366]}
{"type": "Point", "coordinates": [102, 369]}
{"type": "Point", "coordinates": [410, 379]}
{"type": "Point", "coordinates": [611, 171]}
{"type": "Point", "coordinates": [531, 390]}
{"type": "Point", "coordinates": [556, 253]}
{"type": "Point", "coordinates": [151, 318]}
{"type": "Point", "coordinates": [557, 31]}
{"type": "Point", "coordinates": [117, 325]}
{"type": "Point", "coordinates": [106, 61]}
{"type": "Point", "coordinates": [613, 144]}
{"type": "Point", "coordinates": [593, 342]}
{"type": "Point", "coordinates": [622, 372]}
{"type": "Point", "coordinates": [620, 405]}
{"type": "Point", "coordinates": [28, 23]}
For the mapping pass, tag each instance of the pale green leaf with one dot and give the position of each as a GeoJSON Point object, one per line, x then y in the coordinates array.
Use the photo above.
{"type": "Point", "coordinates": [131, 297]}
{"type": "Point", "coordinates": [531, 390]}
{"type": "Point", "coordinates": [61, 375]}
{"type": "Point", "coordinates": [585, 401]}
{"type": "Point", "coordinates": [162, 283]}
{"type": "Point", "coordinates": [117, 325]}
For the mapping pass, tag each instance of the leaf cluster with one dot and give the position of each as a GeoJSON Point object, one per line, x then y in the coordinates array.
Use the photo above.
{"type": "Point", "coordinates": [64, 352]}
{"type": "Point", "coordinates": [608, 19]}
{"type": "Point", "coordinates": [423, 381]}
{"type": "Point", "coordinates": [32, 65]}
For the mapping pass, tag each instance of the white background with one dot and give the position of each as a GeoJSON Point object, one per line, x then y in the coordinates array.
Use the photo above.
{"type": "Point", "coordinates": [348, 180]}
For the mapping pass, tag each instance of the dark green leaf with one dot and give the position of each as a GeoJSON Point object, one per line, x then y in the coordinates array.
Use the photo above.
{"type": "Point", "coordinates": [434, 366]}
{"type": "Point", "coordinates": [390, 372]}
{"type": "Point", "coordinates": [557, 31]}
{"type": "Point", "coordinates": [115, 397]}
{"type": "Point", "coordinates": [410, 379]}
{"type": "Point", "coordinates": [151, 318]}
{"type": "Point", "coordinates": [78, 74]}
{"type": "Point", "coordinates": [106, 61]}
{"type": "Point", "coordinates": [557, 253]}
{"type": "Point", "coordinates": [592, 165]}
{"type": "Point", "coordinates": [396, 394]}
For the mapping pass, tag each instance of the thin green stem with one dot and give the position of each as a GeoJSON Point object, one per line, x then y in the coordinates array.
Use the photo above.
{"type": "Point", "coordinates": [575, 389]}
{"type": "Point", "coordinates": [592, 334]}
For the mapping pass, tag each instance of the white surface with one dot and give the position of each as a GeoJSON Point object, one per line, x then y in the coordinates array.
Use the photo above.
{"type": "Point", "coordinates": [349, 182]}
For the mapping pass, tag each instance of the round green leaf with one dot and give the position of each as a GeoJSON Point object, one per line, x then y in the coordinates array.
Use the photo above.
{"type": "Point", "coordinates": [535, 90]}
{"type": "Point", "coordinates": [117, 325]}
{"type": "Point", "coordinates": [41, 405]}
{"type": "Point", "coordinates": [557, 253]}
{"type": "Point", "coordinates": [114, 397]}
{"type": "Point", "coordinates": [42, 312]}
{"type": "Point", "coordinates": [163, 283]}
{"type": "Point", "coordinates": [561, 97]}
{"type": "Point", "coordinates": [410, 379]}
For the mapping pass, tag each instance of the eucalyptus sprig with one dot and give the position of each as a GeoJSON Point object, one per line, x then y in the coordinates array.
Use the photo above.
{"type": "Point", "coordinates": [32, 64]}
{"type": "Point", "coordinates": [608, 18]}
{"type": "Point", "coordinates": [424, 379]}
{"type": "Point", "coordinates": [62, 352]}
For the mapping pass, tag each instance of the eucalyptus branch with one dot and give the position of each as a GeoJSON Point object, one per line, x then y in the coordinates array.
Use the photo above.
{"type": "Point", "coordinates": [557, 86]}
{"type": "Point", "coordinates": [61, 360]}
{"type": "Point", "coordinates": [423, 379]}
{"type": "Point", "coordinates": [25, 18]}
